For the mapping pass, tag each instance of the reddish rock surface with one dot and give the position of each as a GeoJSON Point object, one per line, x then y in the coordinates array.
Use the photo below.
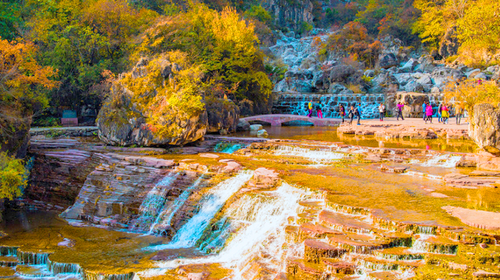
{"type": "Point", "coordinates": [263, 178]}
{"type": "Point", "coordinates": [476, 218]}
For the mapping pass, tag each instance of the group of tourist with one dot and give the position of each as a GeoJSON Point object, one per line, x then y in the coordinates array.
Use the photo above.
{"type": "Point", "coordinates": [443, 112]}
{"type": "Point", "coordinates": [354, 111]}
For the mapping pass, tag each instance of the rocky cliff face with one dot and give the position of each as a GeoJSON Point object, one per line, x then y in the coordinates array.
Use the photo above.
{"type": "Point", "coordinates": [223, 115]}
{"type": "Point", "coordinates": [485, 128]}
{"type": "Point", "coordinates": [60, 169]}
{"type": "Point", "coordinates": [290, 13]}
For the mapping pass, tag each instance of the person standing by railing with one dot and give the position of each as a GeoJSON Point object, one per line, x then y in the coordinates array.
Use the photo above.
{"type": "Point", "coordinates": [318, 110]}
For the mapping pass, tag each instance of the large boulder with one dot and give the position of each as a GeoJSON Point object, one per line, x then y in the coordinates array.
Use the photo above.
{"type": "Point", "coordinates": [485, 128]}
{"type": "Point", "coordinates": [388, 60]}
{"type": "Point", "coordinates": [223, 115]}
{"type": "Point", "coordinates": [123, 118]}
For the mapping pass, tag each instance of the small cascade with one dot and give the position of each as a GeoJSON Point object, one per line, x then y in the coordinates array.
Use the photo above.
{"type": "Point", "coordinates": [32, 258]}
{"type": "Point", "coordinates": [164, 219]}
{"type": "Point", "coordinates": [100, 276]}
{"type": "Point", "coordinates": [153, 203]}
{"type": "Point", "coordinates": [210, 204]}
{"type": "Point", "coordinates": [443, 160]}
{"type": "Point", "coordinates": [64, 268]}
{"type": "Point", "coordinates": [8, 251]}
{"type": "Point", "coordinates": [316, 156]}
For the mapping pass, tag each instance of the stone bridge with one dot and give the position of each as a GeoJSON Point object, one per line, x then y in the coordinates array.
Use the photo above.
{"type": "Point", "coordinates": [279, 119]}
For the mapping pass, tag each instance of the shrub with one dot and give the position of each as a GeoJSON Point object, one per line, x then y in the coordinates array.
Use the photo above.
{"type": "Point", "coordinates": [13, 176]}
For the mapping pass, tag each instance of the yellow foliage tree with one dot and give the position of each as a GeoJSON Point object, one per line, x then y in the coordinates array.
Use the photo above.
{"type": "Point", "coordinates": [22, 84]}
{"type": "Point", "coordinates": [12, 176]}
{"type": "Point", "coordinates": [472, 92]}
{"type": "Point", "coordinates": [479, 32]}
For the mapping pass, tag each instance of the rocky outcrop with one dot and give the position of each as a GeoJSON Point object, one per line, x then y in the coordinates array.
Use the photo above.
{"type": "Point", "coordinates": [60, 168]}
{"type": "Point", "coordinates": [290, 14]}
{"type": "Point", "coordinates": [223, 115]}
{"type": "Point", "coordinates": [123, 122]}
{"type": "Point", "coordinates": [484, 128]}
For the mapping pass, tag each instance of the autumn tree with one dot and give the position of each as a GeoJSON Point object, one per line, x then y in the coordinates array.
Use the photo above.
{"type": "Point", "coordinates": [223, 43]}
{"type": "Point", "coordinates": [13, 176]}
{"type": "Point", "coordinates": [471, 92]}
{"type": "Point", "coordinates": [23, 87]}
{"type": "Point", "coordinates": [83, 39]}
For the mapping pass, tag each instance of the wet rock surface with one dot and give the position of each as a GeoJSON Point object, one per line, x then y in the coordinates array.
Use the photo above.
{"type": "Point", "coordinates": [343, 215]}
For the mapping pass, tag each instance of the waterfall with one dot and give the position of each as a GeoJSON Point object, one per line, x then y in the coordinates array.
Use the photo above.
{"type": "Point", "coordinates": [260, 219]}
{"type": "Point", "coordinates": [317, 156]}
{"type": "Point", "coordinates": [262, 216]}
{"type": "Point", "coordinates": [154, 201]}
{"type": "Point", "coordinates": [166, 214]}
{"type": "Point", "coordinates": [210, 204]}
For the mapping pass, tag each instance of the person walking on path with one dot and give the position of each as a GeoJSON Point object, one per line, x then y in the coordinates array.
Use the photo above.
{"type": "Point", "coordinates": [351, 113]}
{"type": "Point", "coordinates": [445, 113]}
{"type": "Point", "coordinates": [342, 112]}
{"type": "Point", "coordinates": [318, 110]}
{"type": "Point", "coordinates": [357, 112]}
{"type": "Point", "coordinates": [459, 112]}
{"type": "Point", "coordinates": [381, 111]}
{"type": "Point", "coordinates": [440, 112]}
{"type": "Point", "coordinates": [424, 110]}
{"type": "Point", "coordinates": [428, 113]}
{"type": "Point", "coordinates": [400, 111]}
{"type": "Point", "coordinates": [310, 106]}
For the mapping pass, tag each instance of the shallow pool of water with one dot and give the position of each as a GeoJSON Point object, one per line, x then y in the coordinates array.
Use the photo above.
{"type": "Point", "coordinates": [329, 134]}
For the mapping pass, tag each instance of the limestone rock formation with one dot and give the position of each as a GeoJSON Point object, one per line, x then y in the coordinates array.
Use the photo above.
{"type": "Point", "coordinates": [485, 128]}
{"type": "Point", "coordinates": [388, 60]}
{"type": "Point", "coordinates": [290, 13]}
{"type": "Point", "coordinates": [222, 115]}
{"type": "Point", "coordinates": [123, 122]}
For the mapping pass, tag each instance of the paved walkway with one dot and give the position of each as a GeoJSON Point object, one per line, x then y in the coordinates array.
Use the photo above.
{"type": "Point", "coordinates": [417, 122]}
{"type": "Point", "coordinates": [40, 129]}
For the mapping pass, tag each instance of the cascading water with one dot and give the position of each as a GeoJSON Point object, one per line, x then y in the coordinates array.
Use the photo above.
{"type": "Point", "coordinates": [213, 201]}
{"type": "Point", "coordinates": [165, 217]}
{"type": "Point", "coordinates": [443, 160]}
{"type": "Point", "coordinates": [259, 219]}
{"type": "Point", "coordinates": [153, 203]}
{"type": "Point", "coordinates": [316, 156]}
{"type": "Point", "coordinates": [261, 216]}
{"type": "Point", "coordinates": [296, 104]}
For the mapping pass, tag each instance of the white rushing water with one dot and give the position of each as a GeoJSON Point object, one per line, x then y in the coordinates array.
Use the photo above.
{"type": "Point", "coordinates": [167, 213]}
{"type": "Point", "coordinates": [316, 156]}
{"type": "Point", "coordinates": [261, 219]}
{"type": "Point", "coordinates": [153, 202]}
{"type": "Point", "coordinates": [212, 202]}
{"type": "Point", "coordinates": [443, 160]}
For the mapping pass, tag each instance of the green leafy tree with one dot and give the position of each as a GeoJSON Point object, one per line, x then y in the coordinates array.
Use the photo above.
{"type": "Point", "coordinates": [83, 39]}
